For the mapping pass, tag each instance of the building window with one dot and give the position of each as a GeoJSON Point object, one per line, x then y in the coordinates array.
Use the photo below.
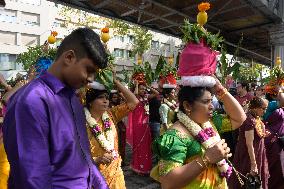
{"type": "Point", "coordinates": [155, 44]}
{"type": "Point", "coordinates": [119, 53]}
{"type": "Point", "coordinates": [8, 16]}
{"type": "Point", "coordinates": [155, 58]}
{"type": "Point", "coordinates": [130, 54]}
{"type": "Point", "coordinates": [119, 38]}
{"type": "Point", "coordinates": [130, 38]}
{"type": "Point", "coordinates": [7, 61]}
{"type": "Point", "coordinates": [165, 46]}
{"type": "Point", "coordinates": [8, 37]}
{"type": "Point", "coordinates": [58, 23]}
{"type": "Point", "coordinates": [30, 40]}
{"type": "Point", "coordinates": [30, 19]}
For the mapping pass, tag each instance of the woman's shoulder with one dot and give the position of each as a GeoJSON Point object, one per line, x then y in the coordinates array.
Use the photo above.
{"type": "Point", "coordinates": [176, 135]}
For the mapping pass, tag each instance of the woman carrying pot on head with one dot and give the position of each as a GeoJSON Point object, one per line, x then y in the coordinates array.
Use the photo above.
{"type": "Point", "coordinates": [102, 130]}
{"type": "Point", "coordinates": [250, 154]}
{"type": "Point", "coordinates": [169, 106]}
{"type": "Point", "coordinates": [191, 153]}
{"type": "Point", "coordinates": [138, 130]}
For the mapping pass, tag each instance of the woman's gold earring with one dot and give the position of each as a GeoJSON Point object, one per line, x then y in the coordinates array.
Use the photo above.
{"type": "Point", "coordinates": [187, 111]}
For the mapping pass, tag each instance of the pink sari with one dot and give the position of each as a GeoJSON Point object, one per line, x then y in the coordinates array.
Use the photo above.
{"type": "Point", "coordinates": [139, 137]}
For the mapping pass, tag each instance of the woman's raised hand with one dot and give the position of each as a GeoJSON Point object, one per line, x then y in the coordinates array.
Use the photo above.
{"type": "Point", "coordinates": [218, 152]}
{"type": "Point", "coordinates": [105, 159]}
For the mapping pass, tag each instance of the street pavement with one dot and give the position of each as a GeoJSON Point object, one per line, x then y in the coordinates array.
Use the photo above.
{"type": "Point", "coordinates": [134, 181]}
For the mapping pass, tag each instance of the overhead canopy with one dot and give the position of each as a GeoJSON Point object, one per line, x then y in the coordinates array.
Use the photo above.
{"type": "Point", "coordinates": [2, 3]}
{"type": "Point", "coordinates": [232, 18]}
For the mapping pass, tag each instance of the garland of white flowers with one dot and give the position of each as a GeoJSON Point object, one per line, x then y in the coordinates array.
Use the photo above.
{"type": "Point", "coordinates": [145, 103]}
{"type": "Point", "coordinates": [106, 137]}
{"type": "Point", "coordinates": [207, 137]}
{"type": "Point", "coordinates": [172, 105]}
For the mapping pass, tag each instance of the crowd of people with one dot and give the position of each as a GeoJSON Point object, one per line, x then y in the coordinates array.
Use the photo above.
{"type": "Point", "coordinates": [66, 129]}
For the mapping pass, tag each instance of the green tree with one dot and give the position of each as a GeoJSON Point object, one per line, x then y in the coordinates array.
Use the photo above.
{"type": "Point", "coordinates": [230, 67]}
{"type": "Point", "coordinates": [74, 18]}
{"type": "Point", "coordinates": [250, 72]}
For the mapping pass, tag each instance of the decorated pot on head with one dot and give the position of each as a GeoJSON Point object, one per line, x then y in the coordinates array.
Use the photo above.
{"type": "Point", "coordinates": [276, 79]}
{"type": "Point", "coordinates": [197, 64]}
{"type": "Point", "coordinates": [168, 81]}
{"type": "Point", "coordinates": [139, 77]}
{"type": "Point", "coordinates": [198, 60]}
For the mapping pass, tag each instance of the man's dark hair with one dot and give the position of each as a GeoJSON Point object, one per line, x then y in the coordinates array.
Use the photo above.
{"type": "Point", "coordinates": [85, 43]}
{"type": "Point", "coordinates": [167, 91]}
{"type": "Point", "coordinates": [256, 102]}
{"type": "Point", "coordinates": [245, 85]}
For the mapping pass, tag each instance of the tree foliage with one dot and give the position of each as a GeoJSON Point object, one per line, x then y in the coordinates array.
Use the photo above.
{"type": "Point", "coordinates": [250, 72]}
{"type": "Point", "coordinates": [74, 18]}
{"type": "Point", "coordinates": [230, 67]}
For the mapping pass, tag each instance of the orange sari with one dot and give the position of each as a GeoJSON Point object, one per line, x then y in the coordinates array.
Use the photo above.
{"type": "Point", "coordinates": [112, 172]}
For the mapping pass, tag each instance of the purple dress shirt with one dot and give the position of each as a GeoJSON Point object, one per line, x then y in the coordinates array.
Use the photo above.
{"type": "Point", "coordinates": [46, 140]}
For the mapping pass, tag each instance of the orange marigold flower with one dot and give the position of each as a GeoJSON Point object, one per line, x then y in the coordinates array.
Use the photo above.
{"type": "Point", "coordinates": [54, 33]}
{"type": "Point", "coordinates": [203, 7]}
{"type": "Point", "coordinates": [105, 30]}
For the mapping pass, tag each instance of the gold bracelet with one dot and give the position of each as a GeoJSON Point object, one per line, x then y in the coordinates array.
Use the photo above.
{"type": "Point", "coordinates": [205, 161]}
{"type": "Point", "coordinates": [199, 163]}
{"type": "Point", "coordinates": [220, 97]}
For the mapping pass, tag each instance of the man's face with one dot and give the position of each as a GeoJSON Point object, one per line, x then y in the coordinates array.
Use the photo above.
{"type": "Point", "coordinates": [80, 73]}
{"type": "Point", "coordinates": [240, 90]}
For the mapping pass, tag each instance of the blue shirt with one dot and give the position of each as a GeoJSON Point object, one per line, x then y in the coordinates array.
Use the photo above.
{"type": "Point", "coordinates": [272, 106]}
{"type": "Point", "coordinates": [46, 140]}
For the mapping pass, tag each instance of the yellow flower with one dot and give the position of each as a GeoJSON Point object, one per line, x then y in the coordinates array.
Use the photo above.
{"type": "Point", "coordinates": [203, 7]}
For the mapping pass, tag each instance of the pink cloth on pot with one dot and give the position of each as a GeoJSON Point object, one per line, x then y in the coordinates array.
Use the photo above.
{"type": "Point", "coordinates": [197, 59]}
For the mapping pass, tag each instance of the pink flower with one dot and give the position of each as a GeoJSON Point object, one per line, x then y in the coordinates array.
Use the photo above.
{"type": "Point", "coordinates": [210, 132]}
{"type": "Point", "coordinates": [202, 136]}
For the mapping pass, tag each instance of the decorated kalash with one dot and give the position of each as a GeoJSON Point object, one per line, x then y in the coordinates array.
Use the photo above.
{"type": "Point", "coordinates": [276, 78]}
{"type": "Point", "coordinates": [187, 158]}
{"type": "Point", "coordinates": [38, 59]}
{"type": "Point", "coordinates": [45, 61]}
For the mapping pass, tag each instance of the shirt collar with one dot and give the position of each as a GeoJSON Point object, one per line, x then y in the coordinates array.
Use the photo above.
{"type": "Point", "coordinates": [54, 83]}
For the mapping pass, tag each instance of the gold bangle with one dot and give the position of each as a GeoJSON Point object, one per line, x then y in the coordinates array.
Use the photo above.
{"type": "Point", "coordinates": [199, 163]}
{"type": "Point", "coordinates": [205, 161]}
{"type": "Point", "coordinates": [220, 97]}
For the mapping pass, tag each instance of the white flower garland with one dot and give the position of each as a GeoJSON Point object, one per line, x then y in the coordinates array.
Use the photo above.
{"type": "Point", "coordinates": [171, 104]}
{"type": "Point", "coordinates": [106, 137]}
{"type": "Point", "coordinates": [146, 104]}
{"type": "Point", "coordinates": [209, 138]}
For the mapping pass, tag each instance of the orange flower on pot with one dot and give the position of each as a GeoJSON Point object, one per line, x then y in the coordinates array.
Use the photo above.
{"type": "Point", "coordinates": [54, 33]}
{"type": "Point", "coordinates": [202, 15]}
{"type": "Point", "coordinates": [52, 38]}
{"type": "Point", "coordinates": [105, 34]}
{"type": "Point", "coordinates": [203, 7]}
{"type": "Point", "coordinates": [105, 30]}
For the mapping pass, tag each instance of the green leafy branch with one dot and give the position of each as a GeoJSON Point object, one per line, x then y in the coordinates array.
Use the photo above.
{"type": "Point", "coordinates": [29, 58]}
{"type": "Point", "coordinates": [194, 33]}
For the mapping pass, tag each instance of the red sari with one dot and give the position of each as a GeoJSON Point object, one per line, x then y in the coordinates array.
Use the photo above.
{"type": "Point", "coordinates": [139, 137]}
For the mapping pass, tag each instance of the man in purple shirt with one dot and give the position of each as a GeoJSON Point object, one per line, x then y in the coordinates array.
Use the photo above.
{"type": "Point", "coordinates": [44, 129]}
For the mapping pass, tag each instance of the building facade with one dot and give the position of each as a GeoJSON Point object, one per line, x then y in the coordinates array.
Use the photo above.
{"type": "Point", "coordinates": [26, 23]}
